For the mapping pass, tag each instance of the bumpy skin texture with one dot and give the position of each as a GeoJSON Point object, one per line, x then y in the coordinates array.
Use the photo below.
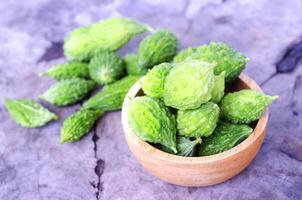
{"type": "Point", "coordinates": [226, 58]}
{"type": "Point", "coordinates": [225, 137]}
{"type": "Point", "coordinates": [154, 81]}
{"type": "Point", "coordinates": [157, 48]}
{"type": "Point", "coordinates": [151, 121]}
{"type": "Point", "coordinates": [245, 106]}
{"type": "Point", "coordinates": [68, 92]}
{"type": "Point", "coordinates": [218, 90]}
{"type": "Point", "coordinates": [186, 147]}
{"type": "Point", "coordinates": [199, 122]}
{"type": "Point", "coordinates": [110, 34]}
{"type": "Point", "coordinates": [189, 84]}
{"type": "Point", "coordinates": [111, 97]}
{"type": "Point", "coordinates": [68, 71]}
{"type": "Point", "coordinates": [78, 125]}
{"type": "Point", "coordinates": [131, 62]}
{"type": "Point", "coordinates": [28, 113]}
{"type": "Point", "coordinates": [106, 67]}
{"type": "Point", "coordinates": [184, 54]}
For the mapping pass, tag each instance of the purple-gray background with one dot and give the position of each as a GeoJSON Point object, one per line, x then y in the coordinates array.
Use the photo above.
{"type": "Point", "coordinates": [33, 165]}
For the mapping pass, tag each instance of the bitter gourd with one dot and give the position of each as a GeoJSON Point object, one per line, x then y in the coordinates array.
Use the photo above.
{"type": "Point", "coordinates": [68, 71]}
{"type": "Point", "coordinates": [110, 34]}
{"type": "Point", "coordinates": [225, 137]}
{"type": "Point", "coordinates": [244, 106]}
{"type": "Point", "coordinates": [111, 97]}
{"type": "Point", "coordinates": [106, 67]}
{"type": "Point", "coordinates": [131, 62]}
{"type": "Point", "coordinates": [78, 125]}
{"type": "Point", "coordinates": [157, 48]}
{"type": "Point", "coordinates": [189, 84]}
{"type": "Point", "coordinates": [151, 121]}
{"type": "Point", "coordinates": [154, 81]}
{"type": "Point", "coordinates": [199, 122]}
{"type": "Point", "coordinates": [68, 92]}
{"type": "Point", "coordinates": [218, 90]}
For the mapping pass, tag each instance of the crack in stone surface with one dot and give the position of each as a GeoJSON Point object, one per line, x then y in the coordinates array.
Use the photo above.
{"type": "Point", "coordinates": [54, 51]}
{"type": "Point", "coordinates": [290, 155]}
{"type": "Point", "coordinates": [99, 167]}
{"type": "Point", "coordinates": [290, 59]}
{"type": "Point", "coordinates": [288, 62]}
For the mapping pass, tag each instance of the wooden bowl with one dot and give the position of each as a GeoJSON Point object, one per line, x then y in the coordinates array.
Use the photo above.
{"type": "Point", "coordinates": [196, 171]}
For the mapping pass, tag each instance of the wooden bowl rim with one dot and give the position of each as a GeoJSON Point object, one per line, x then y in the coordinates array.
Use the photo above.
{"type": "Point", "coordinates": [154, 152]}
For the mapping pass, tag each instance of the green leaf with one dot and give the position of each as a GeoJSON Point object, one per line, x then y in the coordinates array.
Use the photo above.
{"type": "Point", "coordinates": [186, 147]}
{"type": "Point", "coordinates": [28, 113]}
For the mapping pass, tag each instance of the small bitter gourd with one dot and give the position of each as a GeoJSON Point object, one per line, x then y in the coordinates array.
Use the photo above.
{"type": "Point", "coordinates": [225, 137]}
{"type": "Point", "coordinates": [244, 106]}
{"type": "Point", "coordinates": [154, 81]}
{"type": "Point", "coordinates": [189, 84]}
{"type": "Point", "coordinates": [151, 121]}
{"type": "Point", "coordinates": [106, 67]}
{"type": "Point", "coordinates": [111, 97]}
{"type": "Point", "coordinates": [110, 34]}
{"type": "Point", "coordinates": [78, 125]}
{"type": "Point", "coordinates": [68, 92]}
{"type": "Point", "coordinates": [131, 62]}
{"type": "Point", "coordinates": [157, 48]}
{"type": "Point", "coordinates": [68, 71]}
{"type": "Point", "coordinates": [199, 122]}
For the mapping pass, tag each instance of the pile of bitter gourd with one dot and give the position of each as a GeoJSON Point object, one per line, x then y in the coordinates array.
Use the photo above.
{"type": "Point", "coordinates": [93, 61]}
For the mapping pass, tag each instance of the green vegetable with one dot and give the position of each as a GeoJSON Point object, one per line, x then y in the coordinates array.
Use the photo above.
{"type": "Point", "coordinates": [189, 84]}
{"type": "Point", "coordinates": [106, 67]}
{"type": "Point", "coordinates": [110, 34]}
{"type": "Point", "coordinates": [153, 83]}
{"type": "Point", "coordinates": [68, 71]}
{"type": "Point", "coordinates": [199, 122]}
{"type": "Point", "coordinates": [157, 48]}
{"type": "Point", "coordinates": [225, 137]}
{"type": "Point", "coordinates": [131, 62]}
{"type": "Point", "coordinates": [151, 121]}
{"type": "Point", "coordinates": [218, 90]}
{"type": "Point", "coordinates": [184, 54]}
{"type": "Point", "coordinates": [244, 106]}
{"type": "Point", "coordinates": [68, 92]}
{"type": "Point", "coordinates": [111, 97]}
{"type": "Point", "coordinates": [78, 125]}
{"type": "Point", "coordinates": [226, 58]}
{"type": "Point", "coordinates": [186, 147]}
{"type": "Point", "coordinates": [28, 113]}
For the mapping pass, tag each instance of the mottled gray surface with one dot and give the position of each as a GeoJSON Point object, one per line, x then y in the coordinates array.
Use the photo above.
{"type": "Point", "coordinates": [33, 165]}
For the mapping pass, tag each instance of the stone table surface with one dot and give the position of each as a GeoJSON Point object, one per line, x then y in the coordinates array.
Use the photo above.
{"type": "Point", "coordinates": [34, 166]}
